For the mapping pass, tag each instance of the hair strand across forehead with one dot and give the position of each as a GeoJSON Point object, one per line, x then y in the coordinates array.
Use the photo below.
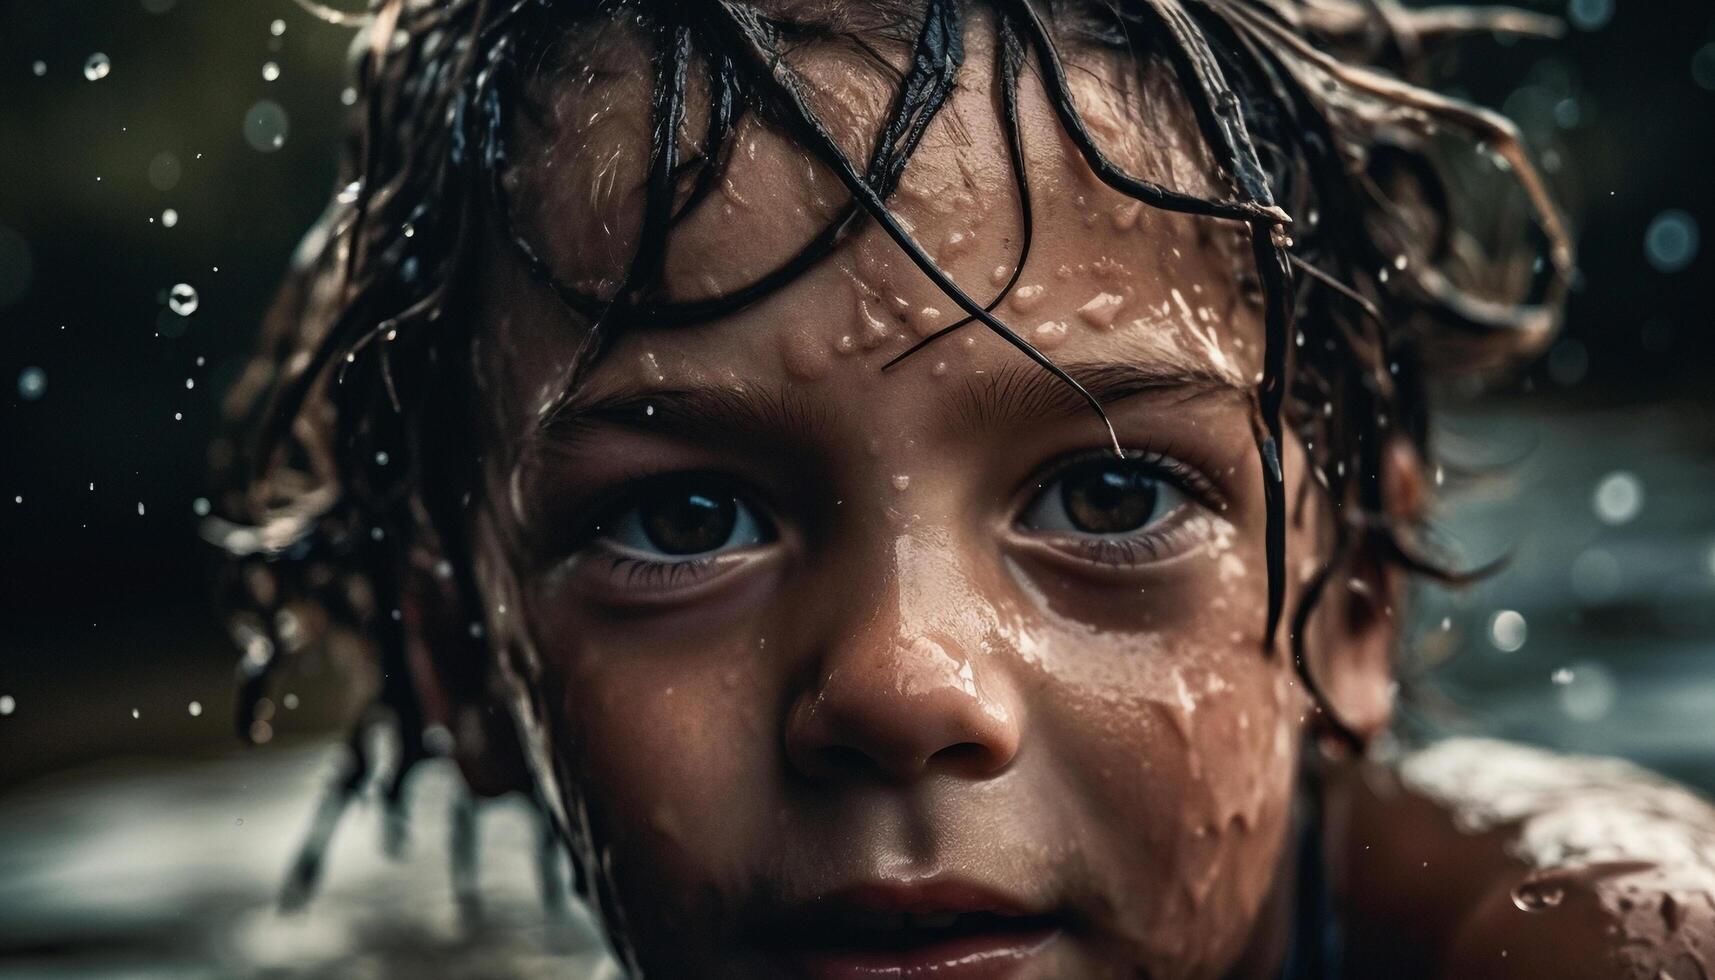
{"type": "Point", "coordinates": [366, 354]}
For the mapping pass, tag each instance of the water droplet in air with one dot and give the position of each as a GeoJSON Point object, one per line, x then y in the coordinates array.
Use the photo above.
{"type": "Point", "coordinates": [183, 299]}
{"type": "Point", "coordinates": [270, 71]}
{"type": "Point", "coordinates": [200, 507]}
{"type": "Point", "coordinates": [165, 171]}
{"type": "Point", "coordinates": [277, 28]}
{"type": "Point", "coordinates": [349, 193]}
{"type": "Point", "coordinates": [1590, 15]}
{"type": "Point", "coordinates": [135, 713]}
{"type": "Point", "coordinates": [265, 126]}
{"type": "Point", "coordinates": [1507, 630]}
{"type": "Point", "coordinates": [32, 383]}
{"type": "Point", "coordinates": [39, 69]}
{"type": "Point", "coordinates": [1619, 497]}
{"type": "Point", "coordinates": [97, 67]}
{"type": "Point", "coordinates": [169, 218]}
{"type": "Point", "coordinates": [1590, 692]}
{"type": "Point", "coordinates": [195, 708]}
{"type": "Point", "coordinates": [1702, 66]}
{"type": "Point", "coordinates": [1671, 241]}
{"type": "Point", "coordinates": [8, 704]}
{"type": "Point", "coordinates": [1561, 677]}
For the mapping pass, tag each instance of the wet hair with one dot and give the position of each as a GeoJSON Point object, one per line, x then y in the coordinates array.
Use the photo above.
{"type": "Point", "coordinates": [1382, 265]}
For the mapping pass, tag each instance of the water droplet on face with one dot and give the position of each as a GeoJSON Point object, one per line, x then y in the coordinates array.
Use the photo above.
{"type": "Point", "coordinates": [902, 481]}
{"type": "Point", "coordinates": [1101, 310]}
{"type": "Point", "coordinates": [1618, 498]}
{"type": "Point", "coordinates": [270, 71]}
{"type": "Point", "coordinates": [265, 126]}
{"type": "Point", "coordinates": [940, 369]}
{"type": "Point", "coordinates": [32, 383]}
{"type": "Point", "coordinates": [97, 67]}
{"type": "Point", "coordinates": [1531, 896]}
{"type": "Point", "coordinates": [1507, 630]}
{"type": "Point", "coordinates": [925, 321]}
{"type": "Point", "coordinates": [183, 299]}
{"type": "Point", "coordinates": [1049, 334]}
{"type": "Point", "coordinates": [1027, 298]}
{"type": "Point", "coordinates": [1124, 217]}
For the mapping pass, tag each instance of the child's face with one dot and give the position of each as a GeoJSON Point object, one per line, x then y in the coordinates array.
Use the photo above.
{"type": "Point", "coordinates": [822, 644]}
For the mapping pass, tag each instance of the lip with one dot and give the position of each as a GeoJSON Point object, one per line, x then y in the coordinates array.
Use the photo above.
{"type": "Point", "coordinates": [945, 928]}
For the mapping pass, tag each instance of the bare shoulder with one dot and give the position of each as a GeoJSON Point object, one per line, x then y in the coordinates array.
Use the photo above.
{"type": "Point", "coordinates": [1550, 865]}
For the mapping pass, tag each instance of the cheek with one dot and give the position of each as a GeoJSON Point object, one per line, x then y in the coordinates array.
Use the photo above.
{"type": "Point", "coordinates": [1183, 746]}
{"type": "Point", "coordinates": [666, 725]}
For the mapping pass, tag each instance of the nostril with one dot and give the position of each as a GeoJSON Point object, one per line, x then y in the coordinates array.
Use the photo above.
{"type": "Point", "coordinates": [968, 758]}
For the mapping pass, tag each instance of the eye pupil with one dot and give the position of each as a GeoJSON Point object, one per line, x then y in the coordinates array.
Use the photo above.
{"type": "Point", "coordinates": [1108, 499]}
{"type": "Point", "coordinates": [685, 522]}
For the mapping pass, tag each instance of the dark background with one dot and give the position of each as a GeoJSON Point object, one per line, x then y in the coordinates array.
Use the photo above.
{"type": "Point", "coordinates": [104, 598]}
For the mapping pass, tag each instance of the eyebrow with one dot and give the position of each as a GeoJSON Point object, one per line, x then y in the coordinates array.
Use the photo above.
{"type": "Point", "coordinates": [1016, 394]}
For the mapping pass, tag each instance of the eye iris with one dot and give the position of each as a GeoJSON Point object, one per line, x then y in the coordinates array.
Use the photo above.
{"type": "Point", "coordinates": [688, 523]}
{"type": "Point", "coordinates": [1108, 499]}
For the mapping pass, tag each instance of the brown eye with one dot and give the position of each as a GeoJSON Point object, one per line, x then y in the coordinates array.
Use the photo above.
{"type": "Point", "coordinates": [1106, 497]}
{"type": "Point", "coordinates": [686, 517]}
{"type": "Point", "coordinates": [687, 522]}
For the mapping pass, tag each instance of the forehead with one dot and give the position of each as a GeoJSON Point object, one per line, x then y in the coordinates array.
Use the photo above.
{"type": "Point", "coordinates": [1108, 279]}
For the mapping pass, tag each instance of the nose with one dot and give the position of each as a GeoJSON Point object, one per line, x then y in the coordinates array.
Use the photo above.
{"type": "Point", "coordinates": [913, 690]}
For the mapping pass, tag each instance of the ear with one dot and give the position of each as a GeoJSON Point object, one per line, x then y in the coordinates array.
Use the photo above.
{"type": "Point", "coordinates": [1355, 628]}
{"type": "Point", "coordinates": [450, 671]}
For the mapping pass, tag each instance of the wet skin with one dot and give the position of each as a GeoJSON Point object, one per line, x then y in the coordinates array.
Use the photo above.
{"type": "Point", "coordinates": [817, 652]}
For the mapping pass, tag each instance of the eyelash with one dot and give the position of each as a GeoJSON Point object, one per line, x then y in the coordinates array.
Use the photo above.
{"type": "Point", "coordinates": [1130, 552]}
{"type": "Point", "coordinates": [648, 573]}
{"type": "Point", "coordinates": [1149, 545]}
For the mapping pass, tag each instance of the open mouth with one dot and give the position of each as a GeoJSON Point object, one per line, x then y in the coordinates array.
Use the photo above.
{"type": "Point", "coordinates": [953, 945]}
